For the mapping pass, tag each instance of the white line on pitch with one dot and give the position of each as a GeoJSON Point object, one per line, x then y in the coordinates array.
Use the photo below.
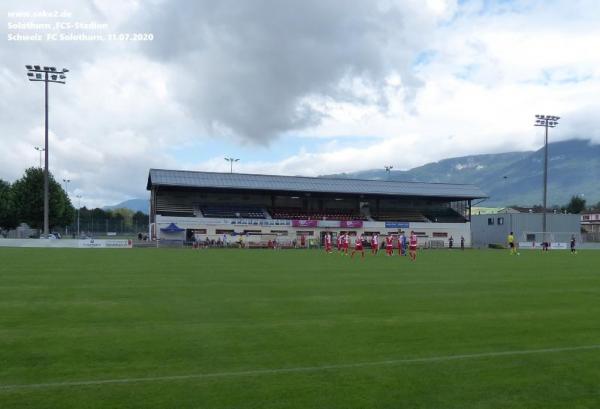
{"type": "Point", "coordinates": [257, 372]}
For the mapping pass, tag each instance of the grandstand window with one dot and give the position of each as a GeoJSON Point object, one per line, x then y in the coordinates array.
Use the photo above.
{"type": "Point", "coordinates": [500, 221]}
{"type": "Point", "coordinates": [490, 221]}
{"type": "Point", "coordinates": [440, 234]}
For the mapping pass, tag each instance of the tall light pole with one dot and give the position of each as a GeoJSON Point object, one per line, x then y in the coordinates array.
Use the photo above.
{"type": "Point", "coordinates": [547, 121]}
{"type": "Point", "coordinates": [78, 210]}
{"type": "Point", "coordinates": [46, 75]}
{"type": "Point", "coordinates": [231, 160]}
{"type": "Point", "coordinates": [388, 169]}
{"type": "Point", "coordinates": [66, 182]}
{"type": "Point", "coordinates": [40, 150]}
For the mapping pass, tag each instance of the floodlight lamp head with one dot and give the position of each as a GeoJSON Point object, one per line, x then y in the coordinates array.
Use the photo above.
{"type": "Point", "coordinates": [37, 67]}
{"type": "Point", "coordinates": [29, 67]}
{"type": "Point", "coordinates": [64, 70]}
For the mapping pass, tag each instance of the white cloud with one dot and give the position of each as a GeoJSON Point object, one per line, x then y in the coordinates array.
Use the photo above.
{"type": "Point", "coordinates": [423, 80]}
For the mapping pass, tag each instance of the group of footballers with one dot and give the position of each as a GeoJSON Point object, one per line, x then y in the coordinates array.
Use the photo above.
{"type": "Point", "coordinates": [405, 245]}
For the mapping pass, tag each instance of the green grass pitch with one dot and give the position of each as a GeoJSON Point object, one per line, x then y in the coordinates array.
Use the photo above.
{"type": "Point", "coordinates": [148, 328]}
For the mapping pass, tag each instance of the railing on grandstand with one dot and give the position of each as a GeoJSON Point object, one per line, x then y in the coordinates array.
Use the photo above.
{"type": "Point", "coordinates": [405, 215]}
{"type": "Point", "coordinates": [174, 206]}
{"type": "Point", "coordinates": [232, 211]}
{"type": "Point", "coordinates": [326, 214]}
{"type": "Point", "coordinates": [444, 215]}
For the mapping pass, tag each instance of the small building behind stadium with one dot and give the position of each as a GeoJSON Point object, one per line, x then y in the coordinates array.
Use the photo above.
{"type": "Point", "coordinates": [189, 205]}
{"type": "Point", "coordinates": [527, 226]}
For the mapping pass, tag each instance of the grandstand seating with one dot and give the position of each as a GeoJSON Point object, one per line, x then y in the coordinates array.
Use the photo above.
{"type": "Point", "coordinates": [444, 215]}
{"type": "Point", "coordinates": [232, 212]}
{"type": "Point", "coordinates": [326, 214]}
{"type": "Point", "coordinates": [174, 206]}
{"type": "Point", "coordinates": [400, 215]}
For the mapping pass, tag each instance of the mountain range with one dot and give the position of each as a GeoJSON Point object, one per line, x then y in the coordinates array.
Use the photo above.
{"type": "Point", "coordinates": [511, 178]}
{"type": "Point", "coordinates": [142, 205]}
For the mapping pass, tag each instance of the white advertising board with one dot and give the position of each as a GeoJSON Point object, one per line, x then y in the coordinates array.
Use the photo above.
{"type": "Point", "coordinates": [538, 246]}
{"type": "Point", "coordinates": [67, 243]}
{"type": "Point", "coordinates": [105, 244]}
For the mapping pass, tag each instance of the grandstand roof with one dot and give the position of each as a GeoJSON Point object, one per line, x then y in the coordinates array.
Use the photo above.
{"type": "Point", "coordinates": [241, 181]}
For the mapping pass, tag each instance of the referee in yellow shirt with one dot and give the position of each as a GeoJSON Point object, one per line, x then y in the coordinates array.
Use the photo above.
{"type": "Point", "coordinates": [511, 243]}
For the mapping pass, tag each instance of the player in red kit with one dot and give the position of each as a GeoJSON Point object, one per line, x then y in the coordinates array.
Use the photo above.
{"type": "Point", "coordinates": [328, 242]}
{"type": "Point", "coordinates": [412, 246]}
{"type": "Point", "coordinates": [345, 243]}
{"type": "Point", "coordinates": [374, 244]}
{"type": "Point", "coordinates": [389, 245]}
{"type": "Point", "coordinates": [358, 246]}
{"type": "Point", "coordinates": [339, 242]}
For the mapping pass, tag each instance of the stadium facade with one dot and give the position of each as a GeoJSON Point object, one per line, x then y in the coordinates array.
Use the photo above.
{"type": "Point", "coordinates": [188, 204]}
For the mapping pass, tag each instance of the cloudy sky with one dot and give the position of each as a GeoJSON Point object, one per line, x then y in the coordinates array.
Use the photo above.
{"type": "Point", "coordinates": [290, 87]}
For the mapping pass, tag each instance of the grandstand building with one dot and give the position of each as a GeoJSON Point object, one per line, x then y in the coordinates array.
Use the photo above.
{"type": "Point", "coordinates": [187, 205]}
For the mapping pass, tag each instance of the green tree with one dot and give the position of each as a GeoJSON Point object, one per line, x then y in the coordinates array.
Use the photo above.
{"type": "Point", "coordinates": [28, 200]}
{"type": "Point", "coordinates": [8, 217]}
{"type": "Point", "coordinates": [97, 220]}
{"type": "Point", "coordinates": [124, 217]}
{"type": "Point", "coordinates": [576, 205]}
{"type": "Point", "coordinates": [140, 221]}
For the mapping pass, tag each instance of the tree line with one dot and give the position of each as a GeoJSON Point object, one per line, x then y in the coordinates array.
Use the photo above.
{"type": "Point", "coordinates": [23, 202]}
{"type": "Point", "coordinates": [576, 205]}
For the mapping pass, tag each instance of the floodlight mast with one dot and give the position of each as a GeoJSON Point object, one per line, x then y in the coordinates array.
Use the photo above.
{"type": "Point", "coordinates": [37, 73]}
{"type": "Point", "coordinates": [547, 121]}
{"type": "Point", "coordinates": [388, 169]}
{"type": "Point", "coordinates": [78, 212]}
{"type": "Point", "coordinates": [40, 150]}
{"type": "Point", "coordinates": [231, 160]}
{"type": "Point", "coordinates": [66, 182]}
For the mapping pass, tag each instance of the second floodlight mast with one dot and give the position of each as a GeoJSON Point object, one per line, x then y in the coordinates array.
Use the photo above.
{"type": "Point", "coordinates": [547, 121]}
{"type": "Point", "coordinates": [231, 160]}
